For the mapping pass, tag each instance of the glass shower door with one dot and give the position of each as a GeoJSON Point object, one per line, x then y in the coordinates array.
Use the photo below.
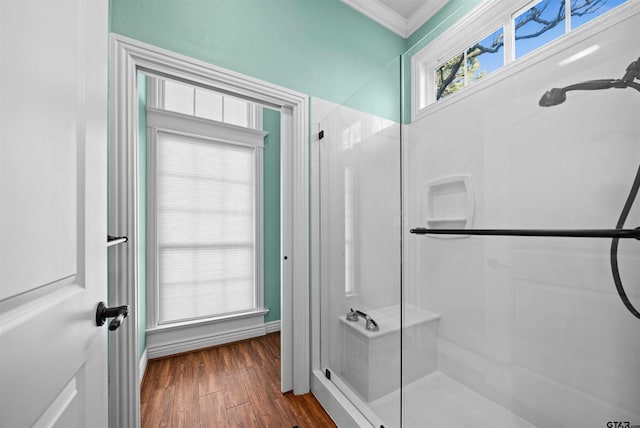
{"type": "Point", "coordinates": [360, 245]}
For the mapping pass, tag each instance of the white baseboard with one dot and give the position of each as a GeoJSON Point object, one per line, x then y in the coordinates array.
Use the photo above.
{"type": "Point", "coordinates": [163, 342]}
{"type": "Point", "coordinates": [272, 326]}
{"type": "Point", "coordinates": [143, 365]}
{"type": "Point", "coordinates": [193, 343]}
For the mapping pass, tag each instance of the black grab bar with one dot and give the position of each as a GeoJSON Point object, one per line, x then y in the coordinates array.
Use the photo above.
{"type": "Point", "coordinates": [567, 233]}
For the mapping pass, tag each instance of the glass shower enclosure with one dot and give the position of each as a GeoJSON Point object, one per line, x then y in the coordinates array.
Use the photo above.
{"type": "Point", "coordinates": [424, 323]}
{"type": "Point", "coordinates": [360, 251]}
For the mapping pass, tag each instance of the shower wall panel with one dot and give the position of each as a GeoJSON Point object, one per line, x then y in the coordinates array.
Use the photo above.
{"type": "Point", "coordinates": [535, 324]}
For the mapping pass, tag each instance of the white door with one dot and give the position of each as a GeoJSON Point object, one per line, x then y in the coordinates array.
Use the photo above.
{"type": "Point", "coordinates": [53, 113]}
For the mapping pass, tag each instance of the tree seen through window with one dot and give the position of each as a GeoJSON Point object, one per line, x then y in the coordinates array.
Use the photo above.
{"type": "Point", "coordinates": [535, 27]}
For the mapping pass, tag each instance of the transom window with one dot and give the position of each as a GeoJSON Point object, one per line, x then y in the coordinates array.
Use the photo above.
{"type": "Point", "coordinates": [506, 30]}
{"type": "Point", "coordinates": [187, 99]}
{"type": "Point", "coordinates": [474, 63]}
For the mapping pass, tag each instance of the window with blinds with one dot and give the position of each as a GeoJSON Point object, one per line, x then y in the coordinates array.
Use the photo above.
{"type": "Point", "coordinates": [204, 219]}
{"type": "Point", "coordinates": [205, 228]}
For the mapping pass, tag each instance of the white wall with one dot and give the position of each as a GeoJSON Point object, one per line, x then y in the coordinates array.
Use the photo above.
{"type": "Point", "coordinates": [535, 323]}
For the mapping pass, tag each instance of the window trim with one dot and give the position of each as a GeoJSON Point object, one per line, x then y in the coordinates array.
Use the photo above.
{"type": "Point", "coordinates": [492, 14]}
{"type": "Point", "coordinates": [181, 124]}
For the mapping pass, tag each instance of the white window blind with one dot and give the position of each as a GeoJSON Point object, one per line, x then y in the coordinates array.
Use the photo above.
{"type": "Point", "coordinates": [205, 228]}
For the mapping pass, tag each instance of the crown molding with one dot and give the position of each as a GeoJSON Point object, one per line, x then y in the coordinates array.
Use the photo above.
{"type": "Point", "coordinates": [392, 20]}
{"type": "Point", "coordinates": [423, 14]}
{"type": "Point", "coordinates": [381, 13]}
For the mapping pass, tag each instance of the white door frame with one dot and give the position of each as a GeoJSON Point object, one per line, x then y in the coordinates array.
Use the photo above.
{"type": "Point", "coordinates": [127, 57]}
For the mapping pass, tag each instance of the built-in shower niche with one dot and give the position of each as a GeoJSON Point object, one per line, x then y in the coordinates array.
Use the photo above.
{"type": "Point", "coordinates": [369, 362]}
{"type": "Point", "coordinates": [448, 203]}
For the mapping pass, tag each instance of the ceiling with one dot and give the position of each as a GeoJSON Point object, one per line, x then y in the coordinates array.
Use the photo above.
{"type": "Point", "coordinates": [403, 17]}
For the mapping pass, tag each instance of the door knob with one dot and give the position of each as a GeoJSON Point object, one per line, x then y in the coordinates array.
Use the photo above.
{"type": "Point", "coordinates": [118, 313]}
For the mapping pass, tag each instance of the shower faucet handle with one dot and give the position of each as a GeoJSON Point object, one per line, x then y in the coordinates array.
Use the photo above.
{"type": "Point", "coordinates": [353, 315]}
{"type": "Point", "coordinates": [371, 325]}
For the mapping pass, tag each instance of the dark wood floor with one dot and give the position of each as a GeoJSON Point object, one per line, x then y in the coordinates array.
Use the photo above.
{"type": "Point", "coordinates": [234, 385]}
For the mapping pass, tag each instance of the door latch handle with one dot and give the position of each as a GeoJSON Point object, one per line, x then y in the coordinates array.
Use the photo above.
{"type": "Point", "coordinates": [118, 313]}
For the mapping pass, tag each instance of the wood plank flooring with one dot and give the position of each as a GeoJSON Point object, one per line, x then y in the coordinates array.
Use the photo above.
{"type": "Point", "coordinates": [233, 385]}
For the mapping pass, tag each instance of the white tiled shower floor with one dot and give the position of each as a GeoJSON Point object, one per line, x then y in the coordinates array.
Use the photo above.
{"type": "Point", "coordinates": [437, 401]}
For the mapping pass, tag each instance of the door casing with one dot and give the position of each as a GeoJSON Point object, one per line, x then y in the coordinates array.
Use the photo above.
{"type": "Point", "coordinates": [127, 57]}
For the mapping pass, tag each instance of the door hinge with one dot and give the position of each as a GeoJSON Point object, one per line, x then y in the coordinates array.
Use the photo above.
{"type": "Point", "coordinates": [320, 135]}
{"type": "Point", "coordinates": [327, 374]}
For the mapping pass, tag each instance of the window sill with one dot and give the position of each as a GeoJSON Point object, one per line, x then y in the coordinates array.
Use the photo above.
{"type": "Point", "coordinates": [208, 321]}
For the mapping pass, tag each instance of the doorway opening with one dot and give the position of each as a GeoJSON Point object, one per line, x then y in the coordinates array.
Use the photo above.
{"type": "Point", "coordinates": [128, 59]}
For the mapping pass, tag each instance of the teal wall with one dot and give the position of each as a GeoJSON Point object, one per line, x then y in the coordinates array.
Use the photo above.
{"type": "Point", "coordinates": [319, 47]}
{"type": "Point", "coordinates": [381, 94]}
{"type": "Point", "coordinates": [447, 16]}
{"type": "Point", "coordinates": [271, 214]}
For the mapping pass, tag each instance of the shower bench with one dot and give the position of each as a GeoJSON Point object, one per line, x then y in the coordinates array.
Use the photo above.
{"type": "Point", "coordinates": [371, 359]}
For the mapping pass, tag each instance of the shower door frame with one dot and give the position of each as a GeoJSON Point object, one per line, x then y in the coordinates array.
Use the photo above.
{"type": "Point", "coordinates": [341, 410]}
